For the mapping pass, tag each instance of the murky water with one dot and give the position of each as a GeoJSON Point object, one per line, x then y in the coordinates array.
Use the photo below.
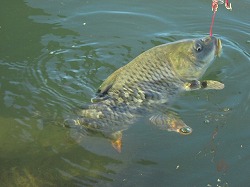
{"type": "Point", "coordinates": [55, 54]}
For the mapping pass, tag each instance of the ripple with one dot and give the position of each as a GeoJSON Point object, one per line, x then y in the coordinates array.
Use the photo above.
{"type": "Point", "coordinates": [126, 13]}
{"type": "Point", "coordinates": [101, 22]}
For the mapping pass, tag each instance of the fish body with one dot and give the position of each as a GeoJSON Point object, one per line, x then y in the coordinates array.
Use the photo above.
{"type": "Point", "coordinates": [149, 83]}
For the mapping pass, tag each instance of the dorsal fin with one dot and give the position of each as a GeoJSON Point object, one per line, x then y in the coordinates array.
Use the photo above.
{"type": "Point", "coordinates": [108, 83]}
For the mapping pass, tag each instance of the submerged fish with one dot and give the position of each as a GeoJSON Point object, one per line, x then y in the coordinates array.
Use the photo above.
{"type": "Point", "coordinates": [148, 84]}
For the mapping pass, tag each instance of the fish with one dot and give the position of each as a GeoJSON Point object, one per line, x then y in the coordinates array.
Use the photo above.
{"type": "Point", "coordinates": [148, 86]}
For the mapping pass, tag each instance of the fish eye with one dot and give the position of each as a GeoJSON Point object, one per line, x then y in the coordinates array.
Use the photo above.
{"type": "Point", "coordinates": [198, 47]}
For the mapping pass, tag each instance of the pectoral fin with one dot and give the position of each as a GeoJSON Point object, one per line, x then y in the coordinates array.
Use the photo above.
{"type": "Point", "coordinates": [171, 122]}
{"type": "Point", "coordinates": [205, 84]}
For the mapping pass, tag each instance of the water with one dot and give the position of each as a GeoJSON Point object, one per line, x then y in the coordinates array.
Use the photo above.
{"type": "Point", "coordinates": [55, 54]}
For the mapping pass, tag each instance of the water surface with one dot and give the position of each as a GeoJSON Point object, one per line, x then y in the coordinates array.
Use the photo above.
{"type": "Point", "coordinates": [55, 54]}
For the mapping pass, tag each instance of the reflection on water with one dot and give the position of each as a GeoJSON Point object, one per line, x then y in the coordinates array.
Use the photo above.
{"type": "Point", "coordinates": [54, 54]}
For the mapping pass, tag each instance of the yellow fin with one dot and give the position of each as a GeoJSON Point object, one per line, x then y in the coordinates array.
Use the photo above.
{"type": "Point", "coordinates": [171, 122]}
{"type": "Point", "coordinates": [117, 141]}
{"type": "Point", "coordinates": [205, 84]}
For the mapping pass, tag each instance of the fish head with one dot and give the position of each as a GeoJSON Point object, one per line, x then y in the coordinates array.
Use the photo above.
{"type": "Point", "coordinates": [191, 58]}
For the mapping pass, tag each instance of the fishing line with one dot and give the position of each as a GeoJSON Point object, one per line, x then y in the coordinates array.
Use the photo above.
{"type": "Point", "coordinates": [215, 5]}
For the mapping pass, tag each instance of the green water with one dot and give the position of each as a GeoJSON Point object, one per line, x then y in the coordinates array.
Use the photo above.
{"type": "Point", "coordinates": [55, 54]}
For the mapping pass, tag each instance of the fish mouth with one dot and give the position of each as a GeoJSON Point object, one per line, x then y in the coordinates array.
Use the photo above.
{"type": "Point", "coordinates": [218, 48]}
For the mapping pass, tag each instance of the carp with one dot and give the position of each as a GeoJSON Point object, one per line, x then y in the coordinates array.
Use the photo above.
{"type": "Point", "coordinates": [148, 85]}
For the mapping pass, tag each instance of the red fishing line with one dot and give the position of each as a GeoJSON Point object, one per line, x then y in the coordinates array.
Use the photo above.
{"type": "Point", "coordinates": [212, 23]}
{"type": "Point", "coordinates": [214, 9]}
